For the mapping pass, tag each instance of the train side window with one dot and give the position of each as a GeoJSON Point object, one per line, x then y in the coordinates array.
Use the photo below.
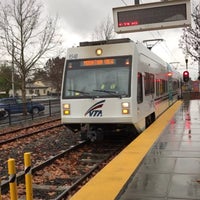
{"type": "Point", "coordinates": [157, 87]}
{"type": "Point", "coordinates": [162, 84]}
{"type": "Point", "coordinates": [152, 88]}
{"type": "Point", "coordinates": [139, 89]}
{"type": "Point", "coordinates": [163, 87]}
{"type": "Point", "coordinates": [149, 83]}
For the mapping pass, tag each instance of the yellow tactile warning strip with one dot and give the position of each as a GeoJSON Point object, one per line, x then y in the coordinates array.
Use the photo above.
{"type": "Point", "coordinates": [109, 181]}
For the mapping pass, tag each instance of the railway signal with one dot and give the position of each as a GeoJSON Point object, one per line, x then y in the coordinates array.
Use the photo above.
{"type": "Point", "coordinates": [186, 76]}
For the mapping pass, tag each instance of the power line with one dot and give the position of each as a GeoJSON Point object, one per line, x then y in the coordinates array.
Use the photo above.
{"type": "Point", "coordinates": [132, 2]}
{"type": "Point", "coordinates": [166, 48]}
{"type": "Point", "coordinates": [124, 3]}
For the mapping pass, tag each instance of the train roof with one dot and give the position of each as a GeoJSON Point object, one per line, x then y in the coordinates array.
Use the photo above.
{"type": "Point", "coordinates": [101, 42]}
{"type": "Point", "coordinates": [141, 48]}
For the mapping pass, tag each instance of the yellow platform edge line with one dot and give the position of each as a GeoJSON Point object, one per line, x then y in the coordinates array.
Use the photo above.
{"type": "Point", "coordinates": [109, 181]}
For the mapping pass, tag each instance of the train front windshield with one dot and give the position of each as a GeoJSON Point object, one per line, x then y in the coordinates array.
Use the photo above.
{"type": "Point", "coordinates": [92, 78]}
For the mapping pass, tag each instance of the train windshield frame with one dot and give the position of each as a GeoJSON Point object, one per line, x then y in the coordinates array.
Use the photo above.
{"type": "Point", "coordinates": [107, 77]}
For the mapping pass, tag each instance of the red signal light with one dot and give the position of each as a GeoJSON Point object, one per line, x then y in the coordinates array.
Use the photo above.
{"type": "Point", "coordinates": [186, 76]}
{"type": "Point", "coordinates": [185, 73]}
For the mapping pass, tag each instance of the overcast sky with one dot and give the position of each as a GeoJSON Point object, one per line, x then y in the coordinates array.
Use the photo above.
{"type": "Point", "coordinates": [78, 19]}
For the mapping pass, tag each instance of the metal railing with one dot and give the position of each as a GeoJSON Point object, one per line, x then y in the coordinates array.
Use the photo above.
{"type": "Point", "coordinates": [52, 108]}
{"type": "Point", "coordinates": [190, 95]}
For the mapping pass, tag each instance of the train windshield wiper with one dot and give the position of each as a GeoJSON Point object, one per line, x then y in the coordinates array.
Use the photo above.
{"type": "Point", "coordinates": [106, 91]}
{"type": "Point", "coordinates": [112, 93]}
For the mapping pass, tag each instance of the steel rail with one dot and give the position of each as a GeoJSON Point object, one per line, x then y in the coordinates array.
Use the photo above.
{"type": "Point", "coordinates": [21, 175]}
{"type": "Point", "coordinates": [27, 127]}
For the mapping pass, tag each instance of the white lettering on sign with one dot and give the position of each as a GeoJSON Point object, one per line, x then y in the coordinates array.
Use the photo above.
{"type": "Point", "coordinates": [73, 56]}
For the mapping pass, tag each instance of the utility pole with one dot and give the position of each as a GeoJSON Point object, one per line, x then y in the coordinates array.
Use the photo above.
{"type": "Point", "coordinates": [199, 67]}
{"type": "Point", "coordinates": [13, 70]}
{"type": "Point", "coordinates": [186, 62]}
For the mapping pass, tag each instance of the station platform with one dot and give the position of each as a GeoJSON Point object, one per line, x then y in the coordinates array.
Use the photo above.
{"type": "Point", "coordinates": [162, 163]}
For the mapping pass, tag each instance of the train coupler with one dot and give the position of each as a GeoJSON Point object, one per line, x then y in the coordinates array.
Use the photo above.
{"type": "Point", "coordinates": [95, 135]}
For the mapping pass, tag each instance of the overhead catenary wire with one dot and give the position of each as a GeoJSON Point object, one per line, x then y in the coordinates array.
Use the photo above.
{"type": "Point", "coordinates": [166, 47]}
{"type": "Point", "coordinates": [131, 2]}
{"type": "Point", "coordinates": [124, 2]}
{"type": "Point", "coordinates": [163, 44]}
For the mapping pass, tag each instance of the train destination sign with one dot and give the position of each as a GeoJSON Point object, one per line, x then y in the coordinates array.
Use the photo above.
{"type": "Point", "coordinates": [152, 16]}
{"type": "Point", "coordinates": [98, 62]}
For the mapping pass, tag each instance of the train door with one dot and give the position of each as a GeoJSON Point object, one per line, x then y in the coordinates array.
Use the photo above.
{"type": "Point", "coordinates": [145, 99]}
{"type": "Point", "coordinates": [170, 88]}
{"type": "Point", "coordinates": [149, 90]}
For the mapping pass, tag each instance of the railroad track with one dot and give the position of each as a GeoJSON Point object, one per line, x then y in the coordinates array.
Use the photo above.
{"type": "Point", "coordinates": [6, 133]}
{"type": "Point", "coordinates": [12, 136]}
{"type": "Point", "coordinates": [42, 142]}
{"type": "Point", "coordinates": [54, 150]}
{"type": "Point", "coordinates": [62, 175]}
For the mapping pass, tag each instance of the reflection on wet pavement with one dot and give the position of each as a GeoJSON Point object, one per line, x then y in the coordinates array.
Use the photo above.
{"type": "Point", "coordinates": [171, 169]}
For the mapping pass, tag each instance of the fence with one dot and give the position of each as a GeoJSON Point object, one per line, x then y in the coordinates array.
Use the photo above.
{"type": "Point", "coordinates": [187, 95]}
{"type": "Point", "coordinates": [194, 95]}
{"type": "Point", "coordinates": [52, 108]}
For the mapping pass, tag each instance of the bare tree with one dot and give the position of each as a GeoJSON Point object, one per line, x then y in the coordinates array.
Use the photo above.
{"type": "Point", "coordinates": [26, 36]}
{"type": "Point", "coordinates": [104, 31]}
{"type": "Point", "coordinates": [190, 40]}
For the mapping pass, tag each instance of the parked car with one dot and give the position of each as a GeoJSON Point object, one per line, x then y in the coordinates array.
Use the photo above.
{"type": "Point", "coordinates": [14, 105]}
{"type": "Point", "coordinates": [2, 113]}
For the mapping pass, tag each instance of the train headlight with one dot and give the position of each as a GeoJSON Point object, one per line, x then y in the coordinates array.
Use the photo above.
{"type": "Point", "coordinates": [99, 52]}
{"type": "Point", "coordinates": [125, 111]}
{"type": "Point", "coordinates": [66, 112]}
{"type": "Point", "coordinates": [66, 106]}
{"type": "Point", "coordinates": [66, 109]}
{"type": "Point", "coordinates": [125, 105]}
{"type": "Point", "coordinates": [125, 108]}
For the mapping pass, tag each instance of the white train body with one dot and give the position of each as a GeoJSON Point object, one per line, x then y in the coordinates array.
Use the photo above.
{"type": "Point", "coordinates": [115, 84]}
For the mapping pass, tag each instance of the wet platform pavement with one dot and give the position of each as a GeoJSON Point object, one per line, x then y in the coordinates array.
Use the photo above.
{"type": "Point", "coordinates": [171, 169]}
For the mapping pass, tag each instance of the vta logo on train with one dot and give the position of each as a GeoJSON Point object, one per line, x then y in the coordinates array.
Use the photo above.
{"type": "Point", "coordinates": [94, 111]}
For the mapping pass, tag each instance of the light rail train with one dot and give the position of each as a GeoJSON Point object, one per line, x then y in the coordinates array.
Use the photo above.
{"type": "Point", "coordinates": [115, 85]}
